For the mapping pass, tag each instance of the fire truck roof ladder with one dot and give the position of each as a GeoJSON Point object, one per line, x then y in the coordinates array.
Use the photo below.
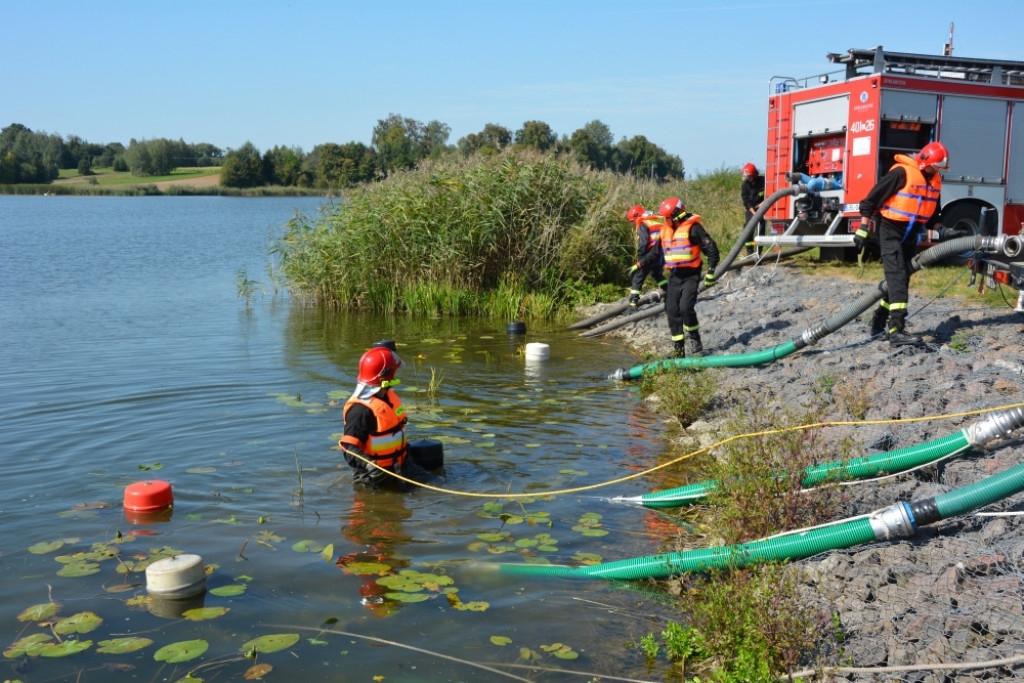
{"type": "Point", "coordinates": [876, 60]}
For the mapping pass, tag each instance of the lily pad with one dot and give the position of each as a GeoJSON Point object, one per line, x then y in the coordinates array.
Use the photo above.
{"type": "Point", "coordinates": [182, 651]}
{"type": "Point", "coordinates": [44, 547]}
{"type": "Point", "coordinates": [367, 568]}
{"type": "Point", "coordinates": [271, 643]}
{"type": "Point", "coordinates": [83, 622]}
{"type": "Point", "coordinates": [256, 672]}
{"type": "Point", "coordinates": [79, 569]}
{"type": "Point", "coordinates": [227, 591]}
{"type": "Point", "coordinates": [205, 469]}
{"type": "Point", "coordinates": [408, 597]}
{"type": "Point", "coordinates": [29, 645]}
{"type": "Point", "coordinates": [204, 613]}
{"type": "Point", "coordinates": [38, 612]}
{"type": "Point", "coordinates": [119, 646]}
{"type": "Point", "coordinates": [68, 647]}
{"type": "Point", "coordinates": [501, 640]}
{"type": "Point", "coordinates": [307, 546]}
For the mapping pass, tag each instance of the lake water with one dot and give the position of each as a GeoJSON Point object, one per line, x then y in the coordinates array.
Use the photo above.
{"type": "Point", "coordinates": [128, 355]}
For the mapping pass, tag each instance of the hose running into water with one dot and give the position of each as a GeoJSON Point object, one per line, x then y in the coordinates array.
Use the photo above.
{"type": "Point", "coordinates": [900, 520]}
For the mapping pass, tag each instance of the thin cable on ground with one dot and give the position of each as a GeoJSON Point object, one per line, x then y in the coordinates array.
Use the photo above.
{"type": "Point", "coordinates": [687, 456]}
{"type": "Point", "coordinates": [961, 666]}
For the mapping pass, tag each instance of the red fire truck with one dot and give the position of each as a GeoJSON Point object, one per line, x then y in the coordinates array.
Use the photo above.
{"type": "Point", "coordinates": [841, 130]}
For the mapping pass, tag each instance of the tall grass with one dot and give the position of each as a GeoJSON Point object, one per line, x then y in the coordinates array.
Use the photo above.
{"type": "Point", "coordinates": [518, 234]}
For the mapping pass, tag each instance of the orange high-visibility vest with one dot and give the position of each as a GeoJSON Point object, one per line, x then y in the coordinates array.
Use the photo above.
{"type": "Point", "coordinates": [679, 251]}
{"type": "Point", "coordinates": [918, 199]}
{"type": "Point", "coordinates": [387, 445]}
{"type": "Point", "coordinates": [655, 224]}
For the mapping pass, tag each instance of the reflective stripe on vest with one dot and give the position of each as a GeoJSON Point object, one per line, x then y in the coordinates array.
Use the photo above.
{"type": "Point", "coordinates": [387, 444]}
{"type": "Point", "coordinates": [679, 251]}
{"type": "Point", "coordinates": [918, 199]}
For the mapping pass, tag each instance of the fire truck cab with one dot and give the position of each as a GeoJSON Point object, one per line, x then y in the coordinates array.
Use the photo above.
{"type": "Point", "coordinates": [842, 129]}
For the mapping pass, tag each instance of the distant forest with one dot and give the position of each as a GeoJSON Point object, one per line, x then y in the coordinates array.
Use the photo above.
{"type": "Point", "coordinates": [397, 143]}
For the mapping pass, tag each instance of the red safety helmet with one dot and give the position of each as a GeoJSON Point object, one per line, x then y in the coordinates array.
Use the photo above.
{"type": "Point", "coordinates": [671, 208]}
{"type": "Point", "coordinates": [933, 154]}
{"type": "Point", "coordinates": [377, 364]}
{"type": "Point", "coordinates": [634, 212]}
{"type": "Point", "coordinates": [749, 171]}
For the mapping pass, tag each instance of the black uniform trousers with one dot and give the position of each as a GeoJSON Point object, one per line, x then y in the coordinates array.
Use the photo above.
{"type": "Point", "coordinates": [897, 248]}
{"type": "Point", "coordinates": [681, 300]}
{"type": "Point", "coordinates": [655, 270]}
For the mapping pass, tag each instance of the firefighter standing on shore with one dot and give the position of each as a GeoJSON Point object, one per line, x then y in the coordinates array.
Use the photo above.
{"type": "Point", "coordinates": [907, 197]}
{"type": "Point", "coordinates": [684, 242]}
{"type": "Point", "coordinates": [752, 195]}
{"type": "Point", "coordinates": [649, 259]}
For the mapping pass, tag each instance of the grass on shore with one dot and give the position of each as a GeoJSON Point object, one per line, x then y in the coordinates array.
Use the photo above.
{"type": "Point", "coordinates": [108, 176]}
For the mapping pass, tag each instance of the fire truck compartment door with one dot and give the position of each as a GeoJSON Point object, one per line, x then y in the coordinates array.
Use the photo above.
{"type": "Point", "coordinates": [900, 105]}
{"type": "Point", "coordinates": [1015, 180]}
{"type": "Point", "coordinates": [973, 129]}
{"type": "Point", "coordinates": [821, 116]}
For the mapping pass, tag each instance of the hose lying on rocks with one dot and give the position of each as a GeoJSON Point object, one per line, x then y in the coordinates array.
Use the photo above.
{"type": "Point", "coordinates": [993, 426]}
{"type": "Point", "coordinates": [1004, 243]}
{"type": "Point", "coordinates": [900, 520]}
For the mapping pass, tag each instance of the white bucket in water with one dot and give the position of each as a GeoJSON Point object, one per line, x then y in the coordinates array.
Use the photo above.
{"type": "Point", "coordinates": [537, 351]}
{"type": "Point", "coordinates": [181, 576]}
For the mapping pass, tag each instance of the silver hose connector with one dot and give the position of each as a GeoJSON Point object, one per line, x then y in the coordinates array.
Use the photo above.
{"type": "Point", "coordinates": [994, 426]}
{"type": "Point", "coordinates": [619, 374]}
{"type": "Point", "coordinates": [1013, 245]}
{"type": "Point", "coordinates": [892, 522]}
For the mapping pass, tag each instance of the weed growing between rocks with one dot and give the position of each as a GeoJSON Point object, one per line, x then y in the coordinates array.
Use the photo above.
{"type": "Point", "coordinates": [749, 624]}
{"type": "Point", "coordinates": [684, 394]}
{"type": "Point", "coordinates": [761, 491]}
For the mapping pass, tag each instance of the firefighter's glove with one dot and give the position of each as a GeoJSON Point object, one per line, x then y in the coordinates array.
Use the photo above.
{"type": "Point", "coordinates": [634, 269]}
{"type": "Point", "coordinates": [709, 280]}
{"type": "Point", "coordinates": [860, 238]}
{"type": "Point", "coordinates": [377, 475]}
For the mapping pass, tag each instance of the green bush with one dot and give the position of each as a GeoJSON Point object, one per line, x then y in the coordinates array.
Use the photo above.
{"type": "Point", "coordinates": [519, 232]}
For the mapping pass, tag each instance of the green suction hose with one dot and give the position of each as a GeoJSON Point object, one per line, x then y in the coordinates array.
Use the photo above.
{"type": "Point", "coordinates": [857, 468]}
{"type": "Point", "coordinates": [896, 521]}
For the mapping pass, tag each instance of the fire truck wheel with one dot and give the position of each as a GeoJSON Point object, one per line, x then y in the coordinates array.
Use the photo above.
{"type": "Point", "coordinates": [966, 217]}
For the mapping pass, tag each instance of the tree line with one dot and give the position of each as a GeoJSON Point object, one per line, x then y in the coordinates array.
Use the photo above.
{"type": "Point", "coordinates": [397, 143]}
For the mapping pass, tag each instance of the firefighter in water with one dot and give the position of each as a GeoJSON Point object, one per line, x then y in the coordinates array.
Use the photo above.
{"type": "Point", "coordinates": [684, 243]}
{"type": "Point", "coordinates": [649, 260]}
{"type": "Point", "coordinates": [375, 422]}
{"type": "Point", "coordinates": [907, 197]}
{"type": "Point", "coordinates": [752, 195]}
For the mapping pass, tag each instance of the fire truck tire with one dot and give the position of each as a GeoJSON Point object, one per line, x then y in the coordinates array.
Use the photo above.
{"type": "Point", "coordinates": [965, 216]}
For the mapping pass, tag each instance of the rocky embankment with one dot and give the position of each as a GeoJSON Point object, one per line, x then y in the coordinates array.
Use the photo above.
{"type": "Point", "coordinates": [952, 595]}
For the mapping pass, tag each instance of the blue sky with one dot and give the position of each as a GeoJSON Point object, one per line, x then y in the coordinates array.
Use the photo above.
{"type": "Point", "coordinates": [690, 76]}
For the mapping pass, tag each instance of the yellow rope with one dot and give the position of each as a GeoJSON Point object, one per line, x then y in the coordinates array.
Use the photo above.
{"type": "Point", "coordinates": [691, 454]}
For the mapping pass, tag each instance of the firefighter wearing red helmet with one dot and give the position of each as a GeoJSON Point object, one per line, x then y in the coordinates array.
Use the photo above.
{"type": "Point", "coordinates": [752, 196]}
{"type": "Point", "coordinates": [684, 244]}
{"type": "Point", "coordinates": [649, 260]}
{"type": "Point", "coordinates": [375, 420]}
{"type": "Point", "coordinates": [907, 200]}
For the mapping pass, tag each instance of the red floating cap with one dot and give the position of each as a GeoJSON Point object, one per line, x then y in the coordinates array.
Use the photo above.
{"type": "Point", "coordinates": [148, 496]}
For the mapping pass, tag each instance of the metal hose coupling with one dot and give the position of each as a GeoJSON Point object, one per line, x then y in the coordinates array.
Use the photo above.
{"type": "Point", "coordinates": [620, 374]}
{"type": "Point", "coordinates": [1012, 245]}
{"type": "Point", "coordinates": [895, 521]}
{"type": "Point", "coordinates": [995, 425]}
